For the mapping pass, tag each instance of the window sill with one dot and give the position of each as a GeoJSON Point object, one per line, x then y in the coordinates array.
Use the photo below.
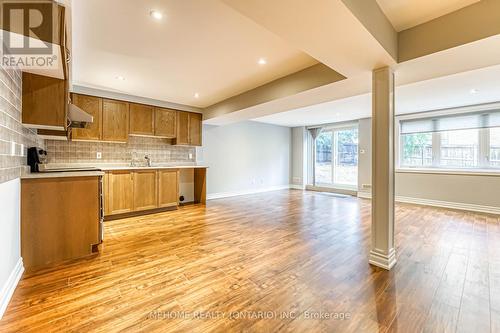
{"type": "Point", "coordinates": [464, 172]}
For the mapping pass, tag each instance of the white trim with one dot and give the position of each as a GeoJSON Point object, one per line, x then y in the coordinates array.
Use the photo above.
{"type": "Point", "coordinates": [10, 285]}
{"type": "Point", "coordinates": [441, 204]}
{"type": "Point", "coordinates": [464, 172]}
{"type": "Point", "coordinates": [385, 261]}
{"type": "Point", "coordinates": [221, 195]}
{"type": "Point", "coordinates": [297, 187]}
{"type": "Point", "coordinates": [365, 195]}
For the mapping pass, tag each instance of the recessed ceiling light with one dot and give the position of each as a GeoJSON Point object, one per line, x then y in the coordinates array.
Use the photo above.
{"type": "Point", "coordinates": [262, 61]}
{"type": "Point", "coordinates": [156, 14]}
{"type": "Point", "coordinates": [121, 78]}
{"type": "Point", "coordinates": [474, 91]}
{"type": "Point", "coordinates": [196, 95]}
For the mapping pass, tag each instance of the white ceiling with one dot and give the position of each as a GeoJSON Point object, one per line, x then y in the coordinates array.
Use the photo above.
{"type": "Point", "coordinates": [200, 47]}
{"type": "Point", "coordinates": [405, 14]}
{"type": "Point", "coordinates": [439, 93]}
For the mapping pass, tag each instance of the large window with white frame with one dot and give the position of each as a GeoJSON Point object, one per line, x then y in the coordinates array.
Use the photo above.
{"type": "Point", "coordinates": [336, 156]}
{"type": "Point", "coordinates": [466, 140]}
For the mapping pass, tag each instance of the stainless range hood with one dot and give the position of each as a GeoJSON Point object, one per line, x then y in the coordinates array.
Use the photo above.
{"type": "Point", "coordinates": [78, 118]}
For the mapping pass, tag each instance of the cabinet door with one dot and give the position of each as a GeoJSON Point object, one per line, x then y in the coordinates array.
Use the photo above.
{"type": "Point", "coordinates": [145, 190]}
{"type": "Point", "coordinates": [121, 192]}
{"type": "Point", "coordinates": [44, 102]}
{"type": "Point", "coordinates": [115, 120]}
{"type": "Point", "coordinates": [141, 119]}
{"type": "Point", "coordinates": [195, 129]}
{"type": "Point", "coordinates": [168, 188]}
{"type": "Point", "coordinates": [93, 106]}
{"type": "Point", "coordinates": [182, 128]}
{"type": "Point", "coordinates": [165, 123]}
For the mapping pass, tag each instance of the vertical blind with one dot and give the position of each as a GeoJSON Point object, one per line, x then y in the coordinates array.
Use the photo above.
{"type": "Point", "coordinates": [485, 119]}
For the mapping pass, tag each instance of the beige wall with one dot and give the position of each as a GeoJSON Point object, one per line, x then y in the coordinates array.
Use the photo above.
{"type": "Point", "coordinates": [471, 190]}
{"type": "Point", "coordinates": [246, 157]}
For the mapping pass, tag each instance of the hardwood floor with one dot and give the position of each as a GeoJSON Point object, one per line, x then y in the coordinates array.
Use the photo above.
{"type": "Point", "coordinates": [291, 255]}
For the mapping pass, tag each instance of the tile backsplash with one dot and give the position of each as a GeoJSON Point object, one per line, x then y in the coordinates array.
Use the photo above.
{"type": "Point", "coordinates": [159, 150]}
{"type": "Point", "coordinates": [14, 137]}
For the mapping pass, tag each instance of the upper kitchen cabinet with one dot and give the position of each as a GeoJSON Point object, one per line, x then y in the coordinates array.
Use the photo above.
{"type": "Point", "coordinates": [188, 129]}
{"type": "Point", "coordinates": [45, 102]}
{"type": "Point", "coordinates": [93, 106]}
{"type": "Point", "coordinates": [142, 120]}
{"type": "Point", "coordinates": [182, 137]}
{"type": "Point", "coordinates": [165, 123]}
{"type": "Point", "coordinates": [195, 120]}
{"type": "Point", "coordinates": [115, 121]}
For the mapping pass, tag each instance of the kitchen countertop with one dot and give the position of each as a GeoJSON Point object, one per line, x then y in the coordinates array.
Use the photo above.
{"type": "Point", "coordinates": [110, 168]}
{"type": "Point", "coordinates": [124, 166]}
{"type": "Point", "coordinates": [39, 175]}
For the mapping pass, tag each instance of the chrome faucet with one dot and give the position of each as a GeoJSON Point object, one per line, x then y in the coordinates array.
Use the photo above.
{"type": "Point", "coordinates": [148, 160]}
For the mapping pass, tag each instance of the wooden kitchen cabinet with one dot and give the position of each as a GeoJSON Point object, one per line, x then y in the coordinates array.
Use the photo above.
{"type": "Point", "coordinates": [93, 106]}
{"type": "Point", "coordinates": [59, 219]}
{"type": "Point", "coordinates": [44, 102]}
{"type": "Point", "coordinates": [142, 120]}
{"type": "Point", "coordinates": [188, 129]}
{"type": "Point", "coordinates": [145, 190]}
{"type": "Point", "coordinates": [168, 188]}
{"type": "Point", "coordinates": [115, 120]}
{"type": "Point", "coordinates": [120, 192]}
{"type": "Point", "coordinates": [195, 121]}
{"type": "Point", "coordinates": [165, 123]}
{"type": "Point", "coordinates": [182, 137]}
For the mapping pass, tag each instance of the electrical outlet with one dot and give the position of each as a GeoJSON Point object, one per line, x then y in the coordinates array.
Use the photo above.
{"type": "Point", "coordinates": [190, 156]}
{"type": "Point", "coordinates": [98, 155]}
{"type": "Point", "coordinates": [12, 148]}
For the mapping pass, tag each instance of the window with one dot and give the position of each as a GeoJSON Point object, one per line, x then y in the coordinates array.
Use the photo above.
{"type": "Point", "coordinates": [345, 169]}
{"type": "Point", "coordinates": [467, 140]}
{"type": "Point", "coordinates": [459, 149]}
{"type": "Point", "coordinates": [336, 161]}
{"type": "Point", "coordinates": [494, 154]}
{"type": "Point", "coordinates": [323, 170]}
{"type": "Point", "coordinates": [416, 150]}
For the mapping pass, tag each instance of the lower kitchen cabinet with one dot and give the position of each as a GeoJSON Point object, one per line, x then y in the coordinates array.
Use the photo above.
{"type": "Point", "coordinates": [120, 192]}
{"type": "Point", "coordinates": [168, 188]}
{"type": "Point", "coordinates": [59, 219]}
{"type": "Point", "coordinates": [145, 190]}
{"type": "Point", "coordinates": [128, 191]}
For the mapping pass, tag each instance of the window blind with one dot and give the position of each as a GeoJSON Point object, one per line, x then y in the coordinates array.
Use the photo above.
{"type": "Point", "coordinates": [488, 119]}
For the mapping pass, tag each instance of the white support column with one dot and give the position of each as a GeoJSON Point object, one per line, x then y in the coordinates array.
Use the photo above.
{"type": "Point", "coordinates": [382, 252]}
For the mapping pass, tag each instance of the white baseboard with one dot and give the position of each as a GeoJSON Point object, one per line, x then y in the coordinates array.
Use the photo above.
{"type": "Point", "coordinates": [297, 187]}
{"type": "Point", "coordinates": [10, 285]}
{"type": "Point", "coordinates": [439, 203]}
{"type": "Point", "coordinates": [221, 195]}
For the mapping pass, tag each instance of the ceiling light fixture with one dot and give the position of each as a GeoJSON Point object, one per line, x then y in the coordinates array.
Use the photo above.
{"type": "Point", "coordinates": [474, 91]}
{"type": "Point", "coordinates": [119, 77]}
{"type": "Point", "coordinates": [196, 95]}
{"type": "Point", "coordinates": [156, 14]}
{"type": "Point", "coordinates": [262, 61]}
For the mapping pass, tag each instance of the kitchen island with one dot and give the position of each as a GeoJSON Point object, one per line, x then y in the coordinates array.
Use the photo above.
{"type": "Point", "coordinates": [60, 216]}
{"type": "Point", "coordinates": [136, 190]}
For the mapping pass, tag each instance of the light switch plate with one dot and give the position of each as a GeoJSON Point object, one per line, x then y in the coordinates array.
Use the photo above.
{"type": "Point", "coordinates": [99, 155]}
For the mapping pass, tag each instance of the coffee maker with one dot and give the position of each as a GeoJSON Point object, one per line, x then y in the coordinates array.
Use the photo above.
{"type": "Point", "coordinates": [36, 156]}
